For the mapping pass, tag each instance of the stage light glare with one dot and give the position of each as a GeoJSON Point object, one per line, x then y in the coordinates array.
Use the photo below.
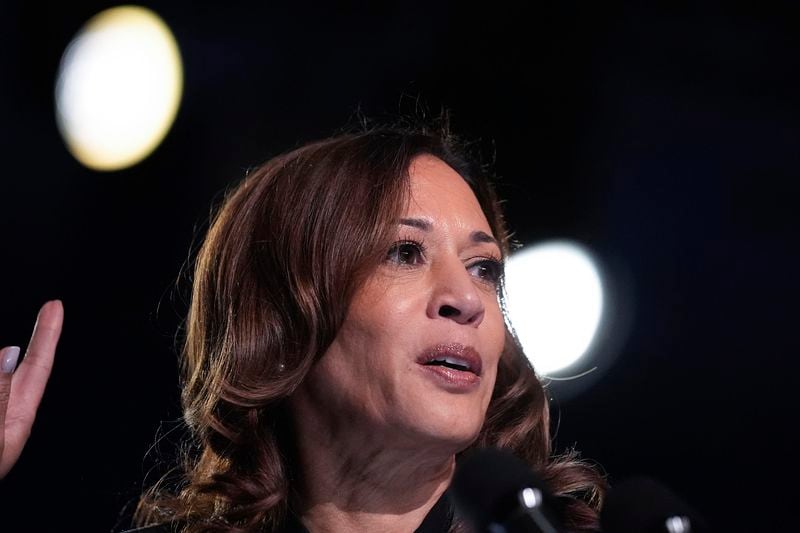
{"type": "Point", "coordinates": [118, 88]}
{"type": "Point", "coordinates": [554, 302]}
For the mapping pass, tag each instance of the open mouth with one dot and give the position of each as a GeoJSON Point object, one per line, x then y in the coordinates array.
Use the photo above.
{"type": "Point", "coordinates": [453, 356]}
{"type": "Point", "coordinates": [455, 365]}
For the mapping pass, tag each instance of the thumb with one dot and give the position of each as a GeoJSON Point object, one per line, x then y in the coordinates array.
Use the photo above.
{"type": "Point", "coordinates": [8, 362]}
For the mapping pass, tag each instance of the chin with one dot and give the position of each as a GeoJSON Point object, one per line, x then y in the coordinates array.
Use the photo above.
{"type": "Point", "coordinates": [448, 428]}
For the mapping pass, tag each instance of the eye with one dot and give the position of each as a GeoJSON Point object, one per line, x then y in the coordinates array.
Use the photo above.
{"type": "Point", "coordinates": [406, 253]}
{"type": "Point", "coordinates": [488, 270]}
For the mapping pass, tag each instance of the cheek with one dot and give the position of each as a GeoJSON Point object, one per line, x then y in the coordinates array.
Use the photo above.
{"type": "Point", "coordinates": [494, 339]}
{"type": "Point", "coordinates": [495, 330]}
{"type": "Point", "coordinates": [368, 332]}
{"type": "Point", "coordinates": [361, 356]}
{"type": "Point", "coordinates": [380, 316]}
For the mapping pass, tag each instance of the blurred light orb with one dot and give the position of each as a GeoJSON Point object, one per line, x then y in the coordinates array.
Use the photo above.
{"type": "Point", "coordinates": [555, 302]}
{"type": "Point", "coordinates": [118, 88]}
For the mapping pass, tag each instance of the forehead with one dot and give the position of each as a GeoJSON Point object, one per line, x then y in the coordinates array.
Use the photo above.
{"type": "Point", "coordinates": [440, 194]}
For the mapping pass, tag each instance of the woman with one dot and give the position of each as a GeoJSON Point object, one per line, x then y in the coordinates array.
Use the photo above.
{"type": "Point", "coordinates": [346, 342]}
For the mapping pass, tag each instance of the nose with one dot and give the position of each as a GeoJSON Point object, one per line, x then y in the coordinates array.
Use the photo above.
{"type": "Point", "coordinates": [454, 295]}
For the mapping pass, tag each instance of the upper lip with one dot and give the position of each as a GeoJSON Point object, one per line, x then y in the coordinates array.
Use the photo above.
{"type": "Point", "coordinates": [453, 352]}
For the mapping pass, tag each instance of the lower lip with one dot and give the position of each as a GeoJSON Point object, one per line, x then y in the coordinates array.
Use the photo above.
{"type": "Point", "coordinates": [452, 379]}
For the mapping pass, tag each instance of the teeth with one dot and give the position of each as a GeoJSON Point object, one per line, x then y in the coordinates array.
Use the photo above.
{"type": "Point", "coordinates": [449, 361]}
{"type": "Point", "coordinates": [455, 362]}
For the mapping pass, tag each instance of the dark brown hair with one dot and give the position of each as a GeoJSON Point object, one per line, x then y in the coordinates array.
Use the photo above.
{"type": "Point", "coordinates": [272, 283]}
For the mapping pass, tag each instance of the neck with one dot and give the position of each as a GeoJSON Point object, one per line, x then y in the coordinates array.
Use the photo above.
{"type": "Point", "coordinates": [357, 480]}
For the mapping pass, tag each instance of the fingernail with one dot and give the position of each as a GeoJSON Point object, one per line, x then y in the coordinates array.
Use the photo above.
{"type": "Point", "coordinates": [9, 361]}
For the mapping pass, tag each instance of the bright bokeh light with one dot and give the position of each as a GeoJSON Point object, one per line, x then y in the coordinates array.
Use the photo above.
{"type": "Point", "coordinates": [119, 86]}
{"type": "Point", "coordinates": [555, 302]}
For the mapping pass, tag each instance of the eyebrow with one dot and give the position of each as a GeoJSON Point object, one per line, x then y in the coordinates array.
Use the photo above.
{"type": "Point", "coordinates": [424, 225]}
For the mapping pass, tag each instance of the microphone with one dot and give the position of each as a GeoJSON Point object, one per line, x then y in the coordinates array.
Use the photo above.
{"type": "Point", "coordinates": [498, 493]}
{"type": "Point", "coordinates": [642, 505]}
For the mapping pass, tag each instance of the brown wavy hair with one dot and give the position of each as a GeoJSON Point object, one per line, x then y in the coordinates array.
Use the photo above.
{"type": "Point", "coordinates": [282, 259]}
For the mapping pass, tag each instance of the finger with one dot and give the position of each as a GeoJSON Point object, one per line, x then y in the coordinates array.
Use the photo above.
{"type": "Point", "coordinates": [31, 376]}
{"type": "Point", "coordinates": [8, 362]}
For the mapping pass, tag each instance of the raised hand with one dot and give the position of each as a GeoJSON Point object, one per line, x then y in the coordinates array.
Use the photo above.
{"type": "Point", "coordinates": [21, 390]}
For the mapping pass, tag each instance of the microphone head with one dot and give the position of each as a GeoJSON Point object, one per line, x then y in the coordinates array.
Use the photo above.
{"type": "Point", "coordinates": [487, 483]}
{"type": "Point", "coordinates": [642, 505]}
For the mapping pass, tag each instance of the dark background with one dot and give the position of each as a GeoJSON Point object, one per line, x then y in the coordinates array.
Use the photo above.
{"type": "Point", "coordinates": [663, 135]}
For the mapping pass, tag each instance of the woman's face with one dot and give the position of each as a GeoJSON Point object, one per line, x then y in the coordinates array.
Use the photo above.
{"type": "Point", "coordinates": [416, 358]}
